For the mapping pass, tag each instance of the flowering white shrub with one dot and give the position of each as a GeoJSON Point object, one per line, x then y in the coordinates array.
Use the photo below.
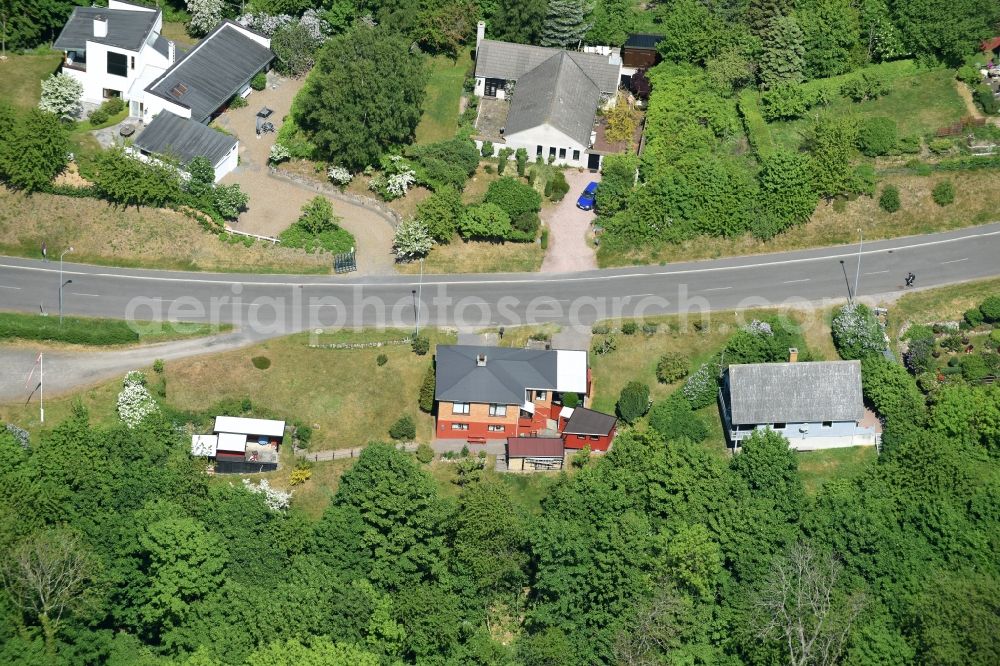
{"type": "Point", "coordinates": [205, 15]}
{"type": "Point", "coordinates": [20, 435]}
{"type": "Point", "coordinates": [276, 500]}
{"type": "Point", "coordinates": [135, 402]}
{"type": "Point", "coordinates": [339, 175]}
{"type": "Point", "coordinates": [61, 95]}
{"type": "Point", "coordinates": [758, 327]}
{"type": "Point", "coordinates": [399, 183]}
{"type": "Point", "coordinates": [856, 332]}
{"type": "Point", "coordinates": [702, 385]}
{"type": "Point", "coordinates": [317, 27]}
{"type": "Point", "coordinates": [279, 154]}
{"type": "Point", "coordinates": [265, 24]}
{"type": "Point", "coordinates": [412, 240]}
{"type": "Point", "coordinates": [134, 377]}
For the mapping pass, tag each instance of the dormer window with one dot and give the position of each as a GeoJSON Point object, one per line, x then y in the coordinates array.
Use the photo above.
{"type": "Point", "coordinates": [178, 90]}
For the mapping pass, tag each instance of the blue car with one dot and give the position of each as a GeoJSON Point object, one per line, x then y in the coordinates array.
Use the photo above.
{"type": "Point", "coordinates": [586, 200]}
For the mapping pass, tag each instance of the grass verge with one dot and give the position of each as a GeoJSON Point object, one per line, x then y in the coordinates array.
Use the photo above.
{"type": "Point", "coordinates": [149, 238]}
{"type": "Point", "coordinates": [941, 304]}
{"type": "Point", "coordinates": [479, 257]}
{"type": "Point", "coordinates": [439, 117]}
{"type": "Point", "coordinates": [97, 332]}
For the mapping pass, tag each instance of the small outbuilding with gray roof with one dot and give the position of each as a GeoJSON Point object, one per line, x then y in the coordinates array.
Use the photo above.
{"type": "Point", "coordinates": [182, 140]}
{"type": "Point", "coordinates": [816, 405]}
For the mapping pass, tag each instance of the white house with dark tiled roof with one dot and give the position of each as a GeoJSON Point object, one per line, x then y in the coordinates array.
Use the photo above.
{"type": "Point", "coordinates": [544, 100]}
{"type": "Point", "coordinates": [108, 49]}
{"type": "Point", "coordinates": [117, 51]}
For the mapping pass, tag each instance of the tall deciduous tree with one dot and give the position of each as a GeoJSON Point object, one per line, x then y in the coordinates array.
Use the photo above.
{"type": "Point", "coordinates": [949, 31]}
{"type": "Point", "coordinates": [394, 506]}
{"type": "Point", "coordinates": [830, 31]}
{"type": "Point", "coordinates": [613, 20]}
{"type": "Point", "coordinates": [363, 97]}
{"type": "Point", "coordinates": [35, 151]}
{"type": "Point", "coordinates": [801, 608]}
{"type": "Point", "coordinates": [519, 21]}
{"type": "Point", "coordinates": [47, 577]}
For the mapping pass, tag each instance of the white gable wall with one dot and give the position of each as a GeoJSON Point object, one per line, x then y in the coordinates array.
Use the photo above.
{"type": "Point", "coordinates": [548, 137]}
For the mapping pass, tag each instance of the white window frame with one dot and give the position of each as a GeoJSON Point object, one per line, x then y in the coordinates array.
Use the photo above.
{"type": "Point", "coordinates": [459, 408]}
{"type": "Point", "coordinates": [496, 428]}
{"type": "Point", "coordinates": [459, 426]}
{"type": "Point", "coordinates": [541, 395]}
{"type": "Point", "coordinates": [497, 409]}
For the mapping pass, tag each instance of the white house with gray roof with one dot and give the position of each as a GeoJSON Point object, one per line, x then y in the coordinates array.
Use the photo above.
{"type": "Point", "coordinates": [544, 100]}
{"type": "Point", "coordinates": [118, 51]}
{"type": "Point", "coordinates": [109, 49]}
{"type": "Point", "coordinates": [815, 405]}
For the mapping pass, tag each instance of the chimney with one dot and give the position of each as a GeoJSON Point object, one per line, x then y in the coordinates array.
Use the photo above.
{"type": "Point", "coordinates": [100, 26]}
{"type": "Point", "coordinates": [481, 360]}
{"type": "Point", "coordinates": [793, 354]}
{"type": "Point", "coordinates": [480, 34]}
{"type": "Point", "coordinates": [171, 52]}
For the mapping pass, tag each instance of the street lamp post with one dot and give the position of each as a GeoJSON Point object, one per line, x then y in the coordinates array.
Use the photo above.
{"type": "Point", "coordinates": [416, 314]}
{"type": "Point", "coordinates": [420, 295]}
{"type": "Point", "coordinates": [61, 283]}
{"type": "Point", "coordinates": [857, 275]}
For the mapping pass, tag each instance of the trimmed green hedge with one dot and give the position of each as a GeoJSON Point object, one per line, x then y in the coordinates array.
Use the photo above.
{"type": "Point", "coordinates": [758, 134]}
{"type": "Point", "coordinates": [73, 329]}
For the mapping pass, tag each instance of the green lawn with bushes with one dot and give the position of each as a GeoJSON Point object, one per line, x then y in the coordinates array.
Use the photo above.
{"type": "Point", "coordinates": [439, 114]}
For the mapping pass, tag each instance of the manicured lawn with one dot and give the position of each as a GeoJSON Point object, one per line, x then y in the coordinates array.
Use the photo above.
{"type": "Point", "coordinates": [444, 88]}
{"type": "Point", "coordinates": [21, 76]}
{"type": "Point", "coordinates": [175, 30]}
{"type": "Point", "coordinates": [97, 332]}
{"type": "Point", "coordinates": [152, 238]}
{"type": "Point", "coordinates": [976, 201]}
{"type": "Point", "coordinates": [919, 104]}
{"type": "Point", "coordinates": [817, 468]}
{"type": "Point", "coordinates": [479, 257]}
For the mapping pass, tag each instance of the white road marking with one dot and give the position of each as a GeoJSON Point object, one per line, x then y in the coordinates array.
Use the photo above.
{"type": "Point", "coordinates": [954, 261]}
{"type": "Point", "coordinates": [528, 279]}
{"type": "Point", "coordinates": [876, 272]}
{"type": "Point", "coordinates": [794, 281]}
{"type": "Point", "coordinates": [716, 288]}
{"type": "Point", "coordinates": [322, 305]}
{"type": "Point", "coordinates": [3, 286]}
{"type": "Point", "coordinates": [77, 293]}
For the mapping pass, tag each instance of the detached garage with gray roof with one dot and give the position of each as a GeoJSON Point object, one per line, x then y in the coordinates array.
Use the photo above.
{"type": "Point", "coordinates": [182, 140]}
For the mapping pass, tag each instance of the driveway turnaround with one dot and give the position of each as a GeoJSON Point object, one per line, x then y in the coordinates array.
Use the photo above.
{"type": "Point", "coordinates": [569, 247]}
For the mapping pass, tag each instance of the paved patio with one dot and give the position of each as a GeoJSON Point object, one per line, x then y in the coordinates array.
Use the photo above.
{"type": "Point", "coordinates": [275, 203]}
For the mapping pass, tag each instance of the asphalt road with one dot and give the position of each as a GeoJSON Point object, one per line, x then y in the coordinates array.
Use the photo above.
{"type": "Point", "coordinates": [264, 306]}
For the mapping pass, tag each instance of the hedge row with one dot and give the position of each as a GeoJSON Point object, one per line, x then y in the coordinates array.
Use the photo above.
{"type": "Point", "coordinates": [758, 134]}
{"type": "Point", "coordinates": [885, 71]}
{"type": "Point", "coordinates": [72, 330]}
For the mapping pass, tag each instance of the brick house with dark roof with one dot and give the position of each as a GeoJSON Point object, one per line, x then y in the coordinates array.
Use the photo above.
{"type": "Point", "coordinates": [486, 393]}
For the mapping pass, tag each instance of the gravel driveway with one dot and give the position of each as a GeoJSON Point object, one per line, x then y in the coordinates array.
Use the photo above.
{"type": "Point", "coordinates": [275, 203]}
{"type": "Point", "coordinates": [569, 246]}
